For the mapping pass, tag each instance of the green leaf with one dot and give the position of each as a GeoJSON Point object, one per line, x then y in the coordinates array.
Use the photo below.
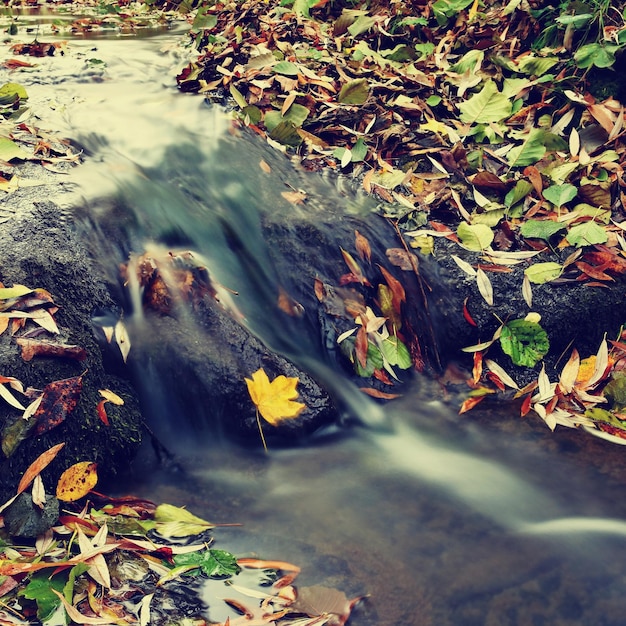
{"type": "Point", "coordinates": [10, 150]}
{"type": "Point", "coordinates": [559, 195]}
{"type": "Point", "coordinates": [602, 415]}
{"type": "Point", "coordinates": [361, 25]}
{"type": "Point", "coordinates": [540, 229]}
{"type": "Point", "coordinates": [519, 192]}
{"type": "Point", "coordinates": [433, 101]}
{"type": "Point", "coordinates": [359, 150]}
{"type": "Point", "coordinates": [174, 521]}
{"type": "Point", "coordinates": [286, 133]}
{"type": "Point", "coordinates": [587, 234]}
{"type": "Point", "coordinates": [40, 589]}
{"type": "Point", "coordinates": [530, 151]}
{"type": "Point", "coordinates": [238, 97]}
{"type": "Point", "coordinates": [470, 61]}
{"type": "Point", "coordinates": [615, 390]}
{"type": "Point", "coordinates": [75, 572]}
{"type": "Point", "coordinates": [213, 563]}
{"type": "Point", "coordinates": [396, 352]}
{"type": "Point", "coordinates": [12, 92]}
{"type": "Point", "coordinates": [487, 106]}
{"type": "Point", "coordinates": [355, 92]}
{"type": "Point", "coordinates": [286, 68]}
{"type": "Point", "coordinates": [17, 291]}
{"type": "Point", "coordinates": [602, 56]}
{"type": "Point", "coordinates": [540, 273]}
{"type": "Point", "coordinates": [536, 66]}
{"type": "Point", "coordinates": [525, 342]}
{"type": "Point", "coordinates": [204, 20]}
{"type": "Point", "coordinates": [475, 237]}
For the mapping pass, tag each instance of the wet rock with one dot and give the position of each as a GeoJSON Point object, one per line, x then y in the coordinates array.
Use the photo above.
{"type": "Point", "coordinates": [192, 377]}
{"type": "Point", "coordinates": [26, 520]}
{"type": "Point", "coordinates": [39, 249]}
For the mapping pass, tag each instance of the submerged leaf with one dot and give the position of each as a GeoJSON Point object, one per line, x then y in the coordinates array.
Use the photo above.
{"type": "Point", "coordinates": [213, 563]}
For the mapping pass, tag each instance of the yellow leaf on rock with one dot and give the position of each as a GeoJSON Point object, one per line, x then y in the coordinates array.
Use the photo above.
{"type": "Point", "coordinates": [275, 400]}
{"type": "Point", "coordinates": [77, 481]}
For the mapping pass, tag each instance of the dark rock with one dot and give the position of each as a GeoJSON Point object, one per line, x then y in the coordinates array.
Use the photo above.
{"type": "Point", "coordinates": [26, 520]}
{"type": "Point", "coordinates": [40, 249]}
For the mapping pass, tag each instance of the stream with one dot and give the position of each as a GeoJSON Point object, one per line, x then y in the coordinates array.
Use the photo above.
{"type": "Point", "coordinates": [484, 519]}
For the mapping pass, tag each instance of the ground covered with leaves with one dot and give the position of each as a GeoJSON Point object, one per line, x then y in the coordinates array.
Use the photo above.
{"type": "Point", "coordinates": [497, 126]}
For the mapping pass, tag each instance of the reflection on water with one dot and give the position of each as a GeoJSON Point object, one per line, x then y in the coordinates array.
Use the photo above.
{"type": "Point", "coordinates": [481, 520]}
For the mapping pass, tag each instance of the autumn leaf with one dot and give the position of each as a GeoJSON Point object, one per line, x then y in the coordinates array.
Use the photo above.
{"type": "Point", "coordinates": [108, 396]}
{"type": "Point", "coordinates": [275, 400]}
{"type": "Point", "coordinates": [37, 466]}
{"type": "Point", "coordinates": [59, 400]}
{"type": "Point", "coordinates": [77, 481]}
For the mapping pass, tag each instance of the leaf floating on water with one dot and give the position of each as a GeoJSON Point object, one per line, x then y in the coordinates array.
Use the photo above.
{"type": "Point", "coordinates": [77, 481]}
{"type": "Point", "coordinates": [214, 563]}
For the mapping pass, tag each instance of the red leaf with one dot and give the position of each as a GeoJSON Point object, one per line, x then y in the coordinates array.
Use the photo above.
{"type": "Point", "coordinates": [495, 379]}
{"type": "Point", "coordinates": [102, 414]}
{"type": "Point", "coordinates": [525, 408]}
{"type": "Point", "coordinates": [466, 314]}
{"type": "Point", "coordinates": [59, 400]}
{"type": "Point", "coordinates": [477, 370]}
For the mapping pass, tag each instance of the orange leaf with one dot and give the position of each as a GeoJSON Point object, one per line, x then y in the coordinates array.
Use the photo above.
{"type": "Point", "coordinates": [375, 393]}
{"type": "Point", "coordinates": [470, 403]}
{"type": "Point", "coordinates": [77, 481]}
{"type": "Point", "coordinates": [37, 466]}
{"type": "Point", "coordinates": [102, 414]}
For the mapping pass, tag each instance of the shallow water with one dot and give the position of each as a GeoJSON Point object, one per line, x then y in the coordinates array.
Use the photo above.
{"type": "Point", "coordinates": [485, 519]}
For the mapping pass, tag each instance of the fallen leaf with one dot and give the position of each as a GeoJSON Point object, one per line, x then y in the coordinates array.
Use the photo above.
{"type": "Point", "coordinates": [34, 347]}
{"type": "Point", "coordinates": [59, 400]}
{"type": "Point", "coordinates": [77, 481]}
{"type": "Point", "coordinates": [37, 466]}
{"type": "Point", "coordinates": [275, 400]}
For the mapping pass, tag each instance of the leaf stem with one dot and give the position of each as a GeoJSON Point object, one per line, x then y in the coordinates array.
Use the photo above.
{"type": "Point", "coordinates": [258, 421]}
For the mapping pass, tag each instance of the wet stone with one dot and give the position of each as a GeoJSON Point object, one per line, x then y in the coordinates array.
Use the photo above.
{"type": "Point", "coordinates": [25, 519]}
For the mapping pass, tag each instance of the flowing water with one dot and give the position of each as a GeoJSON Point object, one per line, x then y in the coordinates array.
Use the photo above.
{"type": "Point", "coordinates": [481, 520]}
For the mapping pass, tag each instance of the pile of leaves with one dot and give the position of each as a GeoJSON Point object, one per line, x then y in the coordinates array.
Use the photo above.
{"type": "Point", "coordinates": [125, 560]}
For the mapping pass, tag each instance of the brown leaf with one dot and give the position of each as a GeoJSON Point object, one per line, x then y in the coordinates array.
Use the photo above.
{"type": "Point", "coordinates": [37, 466]}
{"type": "Point", "coordinates": [399, 295]}
{"type": "Point", "coordinates": [361, 346]}
{"type": "Point", "coordinates": [34, 347]}
{"type": "Point", "coordinates": [59, 400]}
{"type": "Point", "coordinates": [363, 246]}
{"type": "Point", "coordinates": [486, 181]}
{"type": "Point", "coordinates": [596, 195]}
{"type": "Point", "coordinates": [404, 260]}
{"type": "Point", "coordinates": [534, 176]}
{"type": "Point", "coordinates": [470, 403]}
{"type": "Point", "coordinates": [318, 600]}
{"type": "Point", "coordinates": [375, 393]}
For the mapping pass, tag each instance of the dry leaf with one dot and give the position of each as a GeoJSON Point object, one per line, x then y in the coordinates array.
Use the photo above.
{"type": "Point", "coordinates": [484, 286]}
{"type": "Point", "coordinates": [77, 481]}
{"type": "Point", "coordinates": [37, 466]}
{"type": "Point", "coordinates": [275, 400]}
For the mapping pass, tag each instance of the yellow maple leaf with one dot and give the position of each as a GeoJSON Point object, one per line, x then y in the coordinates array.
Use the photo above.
{"type": "Point", "coordinates": [275, 400]}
